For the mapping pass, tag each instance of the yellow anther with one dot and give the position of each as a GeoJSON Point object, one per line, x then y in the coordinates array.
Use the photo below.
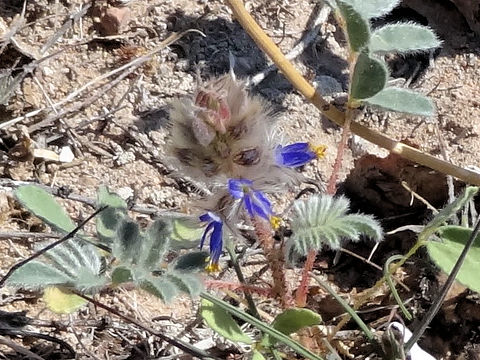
{"type": "Point", "coordinates": [275, 221]}
{"type": "Point", "coordinates": [212, 267]}
{"type": "Point", "coordinates": [319, 150]}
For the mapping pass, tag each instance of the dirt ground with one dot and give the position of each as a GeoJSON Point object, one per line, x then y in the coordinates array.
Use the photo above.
{"type": "Point", "coordinates": [116, 131]}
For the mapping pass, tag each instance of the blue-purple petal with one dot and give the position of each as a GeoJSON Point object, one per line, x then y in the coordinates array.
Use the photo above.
{"type": "Point", "coordinates": [216, 243]}
{"type": "Point", "coordinates": [294, 155]}
{"type": "Point", "coordinates": [261, 205]}
{"type": "Point", "coordinates": [249, 205]}
{"type": "Point", "coordinates": [205, 233]}
{"type": "Point", "coordinates": [235, 187]}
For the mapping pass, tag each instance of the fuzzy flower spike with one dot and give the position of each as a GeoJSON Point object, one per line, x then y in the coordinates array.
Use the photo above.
{"type": "Point", "coordinates": [214, 227]}
{"type": "Point", "coordinates": [255, 201]}
{"type": "Point", "coordinates": [298, 154]}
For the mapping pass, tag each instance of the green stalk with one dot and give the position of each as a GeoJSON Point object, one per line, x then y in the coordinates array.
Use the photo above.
{"type": "Point", "coordinates": [238, 270]}
{"type": "Point", "coordinates": [388, 277]}
{"type": "Point", "coordinates": [347, 308]}
{"type": "Point", "coordinates": [267, 329]}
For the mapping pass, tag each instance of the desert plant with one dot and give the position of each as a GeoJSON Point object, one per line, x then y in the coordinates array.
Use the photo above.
{"type": "Point", "coordinates": [323, 221]}
{"type": "Point", "coordinates": [77, 265]}
{"type": "Point", "coordinates": [367, 47]}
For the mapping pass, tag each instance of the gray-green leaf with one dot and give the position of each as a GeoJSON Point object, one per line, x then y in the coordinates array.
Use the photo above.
{"type": "Point", "coordinates": [292, 320]}
{"type": "Point", "coordinates": [222, 322]}
{"type": "Point", "coordinates": [402, 100]}
{"type": "Point", "coordinates": [403, 38]}
{"type": "Point", "coordinates": [323, 220]}
{"type": "Point", "coordinates": [373, 8]}
{"type": "Point", "coordinates": [192, 261]}
{"type": "Point", "coordinates": [446, 253]}
{"type": "Point", "coordinates": [44, 206]}
{"type": "Point", "coordinates": [369, 77]}
{"type": "Point", "coordinates": [37, 275]}
{"type": "Point", "coordinates": [357, 28]}
{"type": "Point", "coordinates": [108, 219]}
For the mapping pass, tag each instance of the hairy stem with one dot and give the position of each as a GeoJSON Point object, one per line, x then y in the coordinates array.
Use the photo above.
{"type": "Point", "coordinates": [276, 263]}
{"type": "Point", "coordinates": [301, 297]}
{"type": "Point", "coordinates": [332, 113]}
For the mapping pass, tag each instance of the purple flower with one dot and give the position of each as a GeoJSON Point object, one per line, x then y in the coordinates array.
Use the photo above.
{"type": "Point", "coordinates": [214, 227]}
{"type": "Point", "coordinates": [298, 154]}
{"type": "Point", "coordinates": [255, 201]}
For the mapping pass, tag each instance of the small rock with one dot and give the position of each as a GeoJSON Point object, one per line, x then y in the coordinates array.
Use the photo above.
{"type": "Point", "coordinates": [112, 20]}
{"type": "Point", "coordinates": [124, 158]}
{"type": "Point", "coordinates": [327, 85]}
{"type": "Point", "coordinates": [66, 154]}
{"type": "Point", "coordinates": [125, 192]}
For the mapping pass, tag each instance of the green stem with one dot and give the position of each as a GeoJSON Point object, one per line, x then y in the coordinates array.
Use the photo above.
{"type": "Point", "coordinates": [387, 274]}
{"type": "Point", "coordinates": [347, 308]}
{"type": "Point", "coordinates": [238, 270]}
{"type": "Point", "coordinates": [301, 350]}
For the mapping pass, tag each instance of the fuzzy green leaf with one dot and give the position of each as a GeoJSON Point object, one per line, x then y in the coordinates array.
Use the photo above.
{"type": "Point", "coordinates": [192, 261]}
{"type": "Point", "coordinates": [37, 275]}
{"type": "Point", "coordinates": [373, 8]}
{"type": "Point", "coordinates": [186, 233]}
{"type": "Point", "coordinates": [109, 219]}
{"type": "Point", "coordinates": [128, 241]}
{"type": "Point", "coordinates": [402, 100]}
{"type": "Point", "coordinates": [188, 283]}
{"type": "Point", "coordinates": [155, 244]}
{"type": "Point", "coordinates": [222, 322]}
{"type": "Point", "coordinates": [369, 77]}
{"type": "Point", "coordinates": [446, 253]}
{"type": "Point", "coordinates": [160, 287]}
{"type": "Point", "coordinates": [290, 321]}
{"type": "Point", "coordinates": [44, 206]}
{"type": "Point", "coordinates": [121, 274]}
{"type": "Point", "coordinates": [357, 28]}
{"type": "Point", "coordinates": [322, 220]}
{"type": "Point", "coordinates": [447, 212]}
{"type": "Point", "coordinates": [403, 38]}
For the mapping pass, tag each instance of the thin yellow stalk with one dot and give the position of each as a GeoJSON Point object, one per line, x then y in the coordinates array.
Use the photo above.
{"type": "Point", "coordinates": [335, 115]}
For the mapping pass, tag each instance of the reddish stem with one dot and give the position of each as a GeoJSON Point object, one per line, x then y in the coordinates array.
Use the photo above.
{"type": "Point", "coordinates": [228, 285]}
{"type": "Point", "coordinates": [301, 297]}
{"type": "Point", "coordinates": [276, 262]}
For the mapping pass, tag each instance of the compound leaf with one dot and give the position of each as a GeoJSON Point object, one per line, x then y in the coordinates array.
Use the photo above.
{"type": "Point", "coordinates": [322, 220]}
